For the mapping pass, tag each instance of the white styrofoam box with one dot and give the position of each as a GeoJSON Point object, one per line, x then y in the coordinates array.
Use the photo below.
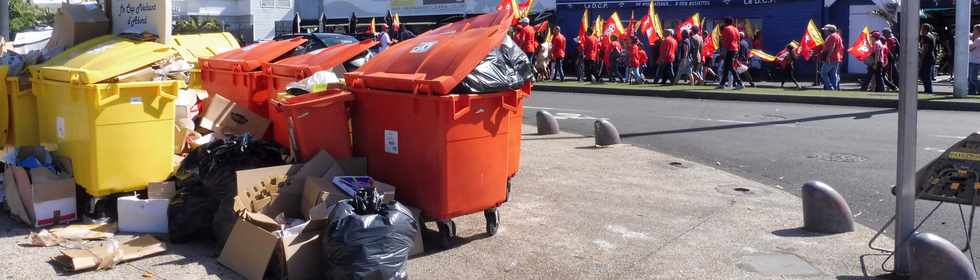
{"type": "Point", "coordinates": [142, 215]}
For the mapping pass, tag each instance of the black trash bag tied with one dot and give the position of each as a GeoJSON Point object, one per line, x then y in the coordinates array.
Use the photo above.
{"type": "Point", "coordinates": [504, 68]}
{"type": "Point", "coordinates": [206, 186]}
{"type": "Point", "coordinates": [366, 239]}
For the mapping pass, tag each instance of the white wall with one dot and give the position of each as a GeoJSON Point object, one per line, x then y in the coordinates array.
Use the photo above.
{"type": "Point", "coordinates": [264, 18]}
{"type": "Point", "coordinates": [860, 16]}
{"type": "Point", "coordinates": [211, 7]}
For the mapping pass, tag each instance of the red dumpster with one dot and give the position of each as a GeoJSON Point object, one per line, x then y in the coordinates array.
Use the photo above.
{"type": "Point", "coordinates": [235, 74]}
{"type": "Point", "coordinates": [447, 152]}
{"type": "Point", "coordinates": [300, 67]}
{"type": "Point", "coordinates": [319, 121]}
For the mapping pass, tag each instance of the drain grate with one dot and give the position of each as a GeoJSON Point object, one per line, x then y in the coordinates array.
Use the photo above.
{"type": "Point", "coordinates": [736, 190]}
{"type": "Point", "coordinates": [677, 164]}
{"type": "Point", "coordinates": [838, 157]}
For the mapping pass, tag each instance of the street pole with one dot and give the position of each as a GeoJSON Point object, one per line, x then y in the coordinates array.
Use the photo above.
{"type": "Point", "coordinates": [960, 57]}
{"type": "Point", "coordinates": [5, 19]}
{"type": "Point", "coordinates": [907, 119]}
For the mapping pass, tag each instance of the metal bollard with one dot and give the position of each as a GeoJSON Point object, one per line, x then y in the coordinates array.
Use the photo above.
{"type": "Point", "coordinates": [824, 209]}
{"type": "Point", "coordinates": [547, 124]}
{"type": "Point", "coordinates": [936, 258]}
{"type": "Point", "coordinates": [606, 134]}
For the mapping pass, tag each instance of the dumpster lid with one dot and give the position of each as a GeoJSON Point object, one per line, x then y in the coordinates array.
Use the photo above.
{"type": "Point", "coordinates": [250, 58]}
{"type": "Point", "coordinates": [436, 61]}
{"type": "Point", "coordinates": [103, 58]}
{"type": "Point", "coordinates": [194, 46]}
{"type": "Point", "coordinates": [302, 66]}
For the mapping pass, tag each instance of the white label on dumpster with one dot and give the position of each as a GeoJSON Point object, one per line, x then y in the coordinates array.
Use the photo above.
{"type": "Point", "coordinates": [59, 124]}
{"type": "Point", "coordinates": [423, 47]}
{"type": "Point", "coordinates": [391, 142]}
{"type": "Point", "coordinates": [136, 100]}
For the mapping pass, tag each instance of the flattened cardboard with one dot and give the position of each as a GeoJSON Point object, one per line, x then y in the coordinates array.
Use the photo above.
{"type": "Point", "coordinates": [81, 259]}
{"type": "Point", "coordinates": [75, 23]}
{"type": "Point", "coordinates": [224, 117]}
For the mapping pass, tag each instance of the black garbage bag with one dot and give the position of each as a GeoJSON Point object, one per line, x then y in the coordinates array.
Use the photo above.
{"type": "Point", "coordinates": [206, 186]}
{"type": "Point", "coordinates": [505, 67]}
{"type": "Point", "coordinates": [368, 240]}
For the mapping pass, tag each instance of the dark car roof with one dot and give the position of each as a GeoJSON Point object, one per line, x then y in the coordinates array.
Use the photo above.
{"type": "Point", "coordinates": [326, 38]}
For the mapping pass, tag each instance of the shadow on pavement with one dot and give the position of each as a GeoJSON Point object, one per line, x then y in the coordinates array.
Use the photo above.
{"type": "Point", "coordinates": [861, 115]}
{"type": "Point", "coordinates": [797, 232]}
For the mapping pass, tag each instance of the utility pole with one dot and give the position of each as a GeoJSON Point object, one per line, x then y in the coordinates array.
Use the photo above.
{"type": "Point", "coordinates": [907, 123]}
{"type": "Point", "coordinates": [5, 19]}
{"type": "Point", "coordinates": [961, 57]}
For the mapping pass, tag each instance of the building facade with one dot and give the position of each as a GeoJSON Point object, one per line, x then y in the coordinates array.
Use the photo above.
{"type": "Point", "coordinates": [249, 20]}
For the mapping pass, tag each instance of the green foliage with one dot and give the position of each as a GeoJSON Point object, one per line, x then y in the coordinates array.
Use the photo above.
{"type": "Point", "coordinates": [194, 25]}
{"type": "Point", "coordinates": [24, 16]}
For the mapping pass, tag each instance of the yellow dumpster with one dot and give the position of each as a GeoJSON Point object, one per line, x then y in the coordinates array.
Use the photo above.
{"type": "Point", "coordinates": [18, 112]}
{"type": "Point", "coordinates": [119, 136]}
{"type": "Point", "coordinates": [194, 46]}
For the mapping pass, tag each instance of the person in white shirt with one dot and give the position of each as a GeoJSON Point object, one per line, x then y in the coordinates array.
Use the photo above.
{"type": "Point", "coordinates": [383, 39]}
{"type": "Point", "coordinates": [975, 60]}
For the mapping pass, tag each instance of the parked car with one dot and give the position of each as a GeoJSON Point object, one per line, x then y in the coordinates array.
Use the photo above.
{"type": "Point", "coordinates": [316, 41]}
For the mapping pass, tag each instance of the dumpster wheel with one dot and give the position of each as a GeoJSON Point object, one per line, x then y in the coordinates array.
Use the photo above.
{"type": "Point", "coordinates": [447, 233]}
{"type": "Point", "coordinates": [493, 220]}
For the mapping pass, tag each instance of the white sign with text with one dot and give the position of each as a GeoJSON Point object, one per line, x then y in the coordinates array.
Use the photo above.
{"type": "Point", "coordinates": [137, 16]}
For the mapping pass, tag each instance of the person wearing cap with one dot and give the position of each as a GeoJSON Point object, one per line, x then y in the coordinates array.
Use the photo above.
{"type": "Point", "coordinates": [524, 37]}
{"type": "Point", "coordinates": [833, 54]}
{"type": "Point", "coordinates": [384, 41]}
{"type": "Point", "coordinates": [558, 54]}
{"type": "Point", "coordinates": [927, 56]}
{"type": "Point", "coordinates": [892, 51]}
{"type": "Point", "coordinates": [729, 50]}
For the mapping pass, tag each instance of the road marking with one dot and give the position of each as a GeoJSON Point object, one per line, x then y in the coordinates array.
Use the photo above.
{"type": "Point", "coordinates": [950, 137]}
{"type": "Point", "coordinates": [555, 109]}
{"type": "Point", "coordinates": [938, 150]}
{"type": "Point", "coordinates": [573, 116]}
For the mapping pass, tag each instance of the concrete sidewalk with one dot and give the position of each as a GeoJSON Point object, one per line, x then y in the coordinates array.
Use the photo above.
{"type": "Point", "coordinates": [580, 212]}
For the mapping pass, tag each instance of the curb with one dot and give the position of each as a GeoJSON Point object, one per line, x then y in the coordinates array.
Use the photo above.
{"type": "Point", "coordinates": [734, 96]}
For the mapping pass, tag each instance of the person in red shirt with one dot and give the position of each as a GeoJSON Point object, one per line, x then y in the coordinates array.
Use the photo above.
{"type": "Point", "coordinates": [557, 54]}
{"type": "Point", "coordinates": [833, 54]}
{"type": "Point", "coordinates": [891, 69]}
{"type": "Point", "coordinates": [668, 53]}
{"type": "Point", "coordinates": [524, 37]}
{"type": "Point", "coordinates": [611, 55]}
{"type": "Point", "coordinates": [590, 47]}
{"type": "Point", "coordinates": [729, 50]}
{"type": "Point", "coordinates": [637, 58]}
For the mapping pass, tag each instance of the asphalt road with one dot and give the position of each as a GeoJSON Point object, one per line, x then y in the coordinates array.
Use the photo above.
{"type": "Point", "coordinates": [782, 145]}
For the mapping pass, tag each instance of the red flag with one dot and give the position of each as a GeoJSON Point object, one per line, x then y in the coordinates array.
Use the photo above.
{"type": "Point", "coordinates": [650, 24]}
{"type": "Point", "coordinates": [692, 21]}
{"type": "Point", "coordinates": [614, 26]}
{"type": "Point", "coordinates": [712, 42]}
{"type": "Point", "coordinates": [811, 40]}
{"type": "Point", "coordinates": [541, 27]}
{"type": "Point", "coordinates": [861, 48]}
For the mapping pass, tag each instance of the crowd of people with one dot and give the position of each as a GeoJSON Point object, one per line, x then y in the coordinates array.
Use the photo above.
{"type": "Point", "coordinates": [678, 59]}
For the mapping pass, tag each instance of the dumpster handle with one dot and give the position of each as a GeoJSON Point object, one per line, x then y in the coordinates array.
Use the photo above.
{"type": "Point", "coordinates": [114, 95]}
{"type": "Point", "coordinates": [345, 98]}
{"type": "Point", "coordinates": [509, 107]}
{"type": "Point", "coordinates": [459, 113]}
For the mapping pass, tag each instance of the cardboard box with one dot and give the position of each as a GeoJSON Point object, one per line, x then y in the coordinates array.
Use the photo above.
{"type": "Point", "coordinates": [142, 215]}
{"type": "Point", "coordinates": [77, 23]}
{"type": "Point", "coordinates": [39, 197]}
{"type": "Point", "coordinates": [224, 117]}
{"type": "Point", "coordinates": [258, 244]}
